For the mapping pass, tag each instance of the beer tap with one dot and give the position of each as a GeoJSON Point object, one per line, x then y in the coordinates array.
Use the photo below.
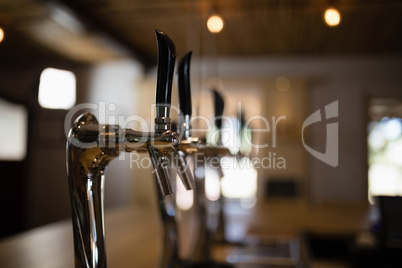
{"type": "Point", "coordinates": [91, 146]}
{"type": "Point", "coordinates": [219, 235]}
{"type": "Point", "coordinates": [189, 146]}
{"type": "Point", "coordinates": [170, 255]}
{"type": "Point", "coordinates": [156, 149]}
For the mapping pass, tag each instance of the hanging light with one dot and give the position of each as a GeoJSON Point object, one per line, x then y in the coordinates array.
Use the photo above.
{"type": "Point", "coordinates": [332, 17]}
{"type": "Point", "coordinates": [215, 24]}
{"type": "Point", "coordinates": [1, 34]}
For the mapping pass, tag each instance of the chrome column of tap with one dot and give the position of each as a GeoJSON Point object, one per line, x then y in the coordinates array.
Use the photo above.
{"type": "Point", "coordinates": [91, 146]}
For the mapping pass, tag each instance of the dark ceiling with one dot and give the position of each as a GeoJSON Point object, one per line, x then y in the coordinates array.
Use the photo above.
{"type": "Point", "coordinates": [106, 29]}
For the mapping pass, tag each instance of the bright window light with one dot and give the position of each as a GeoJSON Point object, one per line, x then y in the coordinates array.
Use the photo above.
{"type": "Point", "coordinates": [13, 137]}
{"type": "Point", "coordinates": [385, 164]}
{"type": "Point", "coordinates": [230, 134]}
{"type": "Point", "coordinates": [184, 198]}
{"type": "Point", "coordinates": [57, 89]}
{"type": "Point", "coordinates": [212, 184]}
{"type": "Point", "coordinates": [240, 178]}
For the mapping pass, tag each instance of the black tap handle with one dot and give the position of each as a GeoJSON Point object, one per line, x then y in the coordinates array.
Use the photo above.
{"type": "Point", "coordinates": [242, 128]}
{"type": "Point", "coordinates": [166, 62]}
{"type": "Point", "coordinates": [242, 122]}
{"type": "Point", "coordinates": [184, 85]}
{"type": "Point", "coordinates": [218, 104]}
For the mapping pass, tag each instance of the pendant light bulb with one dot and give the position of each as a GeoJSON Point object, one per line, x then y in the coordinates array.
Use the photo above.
{"type": "Point", "coordinates": [215, 24]}
{"type": "Point", "coordinates": [332, 17]}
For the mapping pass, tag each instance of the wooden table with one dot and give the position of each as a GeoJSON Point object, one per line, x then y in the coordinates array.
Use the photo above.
{"type": "Point", "coordinates": [133, 234]}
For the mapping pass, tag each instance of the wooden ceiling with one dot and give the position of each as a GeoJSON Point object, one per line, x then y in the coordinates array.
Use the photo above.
{"type": "Point", "coordinates": [116, 28]}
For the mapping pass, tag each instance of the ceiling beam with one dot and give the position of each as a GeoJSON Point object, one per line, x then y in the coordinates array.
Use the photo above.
{"type": "Point", "coordinates": [86, 13]}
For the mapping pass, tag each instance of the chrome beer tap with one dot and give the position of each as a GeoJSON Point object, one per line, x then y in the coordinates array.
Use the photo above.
{"type": "Point", "coordinates": [189, 146]}
{"type": "Point", "coordinates": [219, 235]}
{"type": "Point", "coordinates": [170, 248]}
{"type": "Point", "coordinates": [91, 146]}
{"type": "Point", "coordinates": [157, 148]}
{"type": "Point", "coordinates": [170, 255]}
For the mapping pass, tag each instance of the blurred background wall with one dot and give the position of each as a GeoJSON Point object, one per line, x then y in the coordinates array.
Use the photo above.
{"type": "Point", "coordinates": [292, 83]}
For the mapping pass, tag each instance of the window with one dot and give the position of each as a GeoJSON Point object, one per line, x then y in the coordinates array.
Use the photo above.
{"type": "Point", "coordinates": [13, 134]}
{"type": "Point", "coordinates": [239, 179]}
{"type": "Point", "coordinates": [57, 89]}
{"type": "Point", "coordinates": [385, 147]}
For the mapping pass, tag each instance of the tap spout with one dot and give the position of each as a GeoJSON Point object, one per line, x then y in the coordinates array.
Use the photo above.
{"type": "Point", "coordinates": [161, 171]}
{"type": "Point", "coordinates": [158, 146]}
{"type": "Point", "coordinates": [183, 170]}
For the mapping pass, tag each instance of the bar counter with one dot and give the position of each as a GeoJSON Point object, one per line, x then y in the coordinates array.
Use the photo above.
{"type": "Point", "coordinates": [133, 233]}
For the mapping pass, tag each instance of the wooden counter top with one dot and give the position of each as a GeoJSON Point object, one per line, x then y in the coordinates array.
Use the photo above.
{"type": "Point", "coordinates": [131, 238]}
{"type": "Point", "coordinates": [133, 234]}
{"type": "Point", "coordinates": [296, 217]}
